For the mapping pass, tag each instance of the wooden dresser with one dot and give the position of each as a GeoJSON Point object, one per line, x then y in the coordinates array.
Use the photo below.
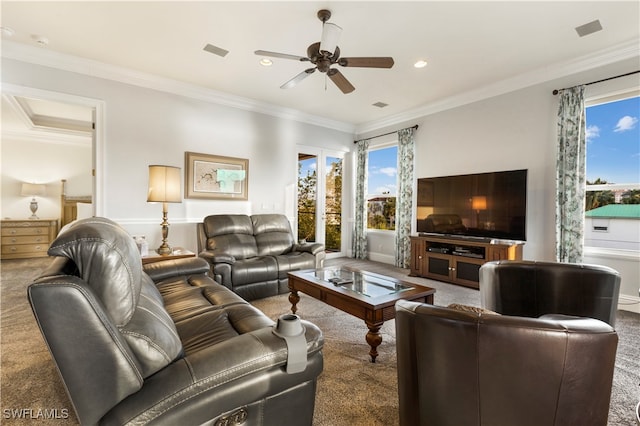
{"type": "Point", "coordinates": [27, 238]}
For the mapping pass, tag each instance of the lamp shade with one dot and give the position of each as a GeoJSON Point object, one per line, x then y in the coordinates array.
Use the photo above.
{"type": "Point", "coordinates": [32, 190]}
{"type": "Point", "coordinates": [479, 202]}
{"type": "Point", "coordinates": [330, 36]}
{"type": "Point", "coordinates": [164, 184]}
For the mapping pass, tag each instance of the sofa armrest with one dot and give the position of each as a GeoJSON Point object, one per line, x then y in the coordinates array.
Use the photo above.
{"type": "Point", "coordinates": [214, 258]}
{"type": "Point", "coordinates": [219, 378]}
{"type": "Point", "coordinates": [176, 267]}
{"type": "Point", "coordinates": [91, 356]}
{"type": "Point", "coordinates": [313, 248]}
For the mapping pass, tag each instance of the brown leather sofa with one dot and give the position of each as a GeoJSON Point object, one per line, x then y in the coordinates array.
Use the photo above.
{"type": "Point", "coordinates": [531, 288]}
{"type": "Point", "coordinates": [164, 343]}
{"type": "Point", "coordinates": [252, 255]}
{"type": "Point", "coordinates": [460, 368]}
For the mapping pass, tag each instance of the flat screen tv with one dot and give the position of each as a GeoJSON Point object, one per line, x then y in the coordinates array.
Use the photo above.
{"type": "Point", "coordinates": [482, 205]}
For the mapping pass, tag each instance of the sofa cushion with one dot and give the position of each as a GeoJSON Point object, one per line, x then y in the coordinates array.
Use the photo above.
{"type": "Point", "coordinates": [273, 234]}
{"type": "Point", "coordinates": [108, 259]}
{"type": "Point", "coordinates": [151, 333]}
{"type": "Point", "coordinates": [231, 235]}
{"type": "Point", "coordinates": [253, 270]}
{"type": "Point", "coordinates": [294, 261]}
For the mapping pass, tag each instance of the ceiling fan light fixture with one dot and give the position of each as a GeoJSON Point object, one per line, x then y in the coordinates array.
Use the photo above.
{"type": "Point", "coordinates": [420, 64]}
{"type": "Point", "coordinates": [330, 35]}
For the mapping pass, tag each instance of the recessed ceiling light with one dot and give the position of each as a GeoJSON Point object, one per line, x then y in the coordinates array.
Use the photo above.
{"type": "Point", "coordinates": [41, 40]}
{"type": "Point", "coordinates": [266, 62]}
{"type": "Point", "coordinates": [7, 32]}
{"type": "Point", "coordinates": [420, 64]}
{"type": "Point", "coordinates": [380, 104]}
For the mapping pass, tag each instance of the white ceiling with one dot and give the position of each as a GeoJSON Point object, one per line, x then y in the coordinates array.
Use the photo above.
{"type": "Point", "coordinates": [468, 45]}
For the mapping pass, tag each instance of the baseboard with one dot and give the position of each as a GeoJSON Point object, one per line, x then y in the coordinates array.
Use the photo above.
{"type": "Point", "coordinates": [383, 258]}
{"type": "Point", "coordinates": [629, 303]}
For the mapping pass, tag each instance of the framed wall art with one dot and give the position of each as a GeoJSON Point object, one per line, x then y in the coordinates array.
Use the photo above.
{"type": "Point", "coordinates": [214, 177]}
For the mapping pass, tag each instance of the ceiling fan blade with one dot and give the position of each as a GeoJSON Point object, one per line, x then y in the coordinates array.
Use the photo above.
{"type": "Point", "coordinates": [340, 80]}
{"type": "Point", "coordinates": [280, 55]}
{"type": "Point", "coordinates": [365, 62]}
{"type": "Point", "coordinates": [330, 35]}
{"type": "Point", "coordinates": [298, 78]}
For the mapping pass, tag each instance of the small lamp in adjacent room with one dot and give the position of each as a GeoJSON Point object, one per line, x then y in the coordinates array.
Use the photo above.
{"type": "Point", "coordinates": [33, 190]}
{"type": "Point", "coordinates": [164, 187]}
{"type": "Point", "coordinates": [478, 202]}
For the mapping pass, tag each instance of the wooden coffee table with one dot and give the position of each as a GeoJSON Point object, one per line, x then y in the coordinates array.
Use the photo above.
{"type": "Point", "coordinates": [365, 295]}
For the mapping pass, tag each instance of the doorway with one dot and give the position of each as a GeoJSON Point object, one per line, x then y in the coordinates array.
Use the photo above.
{"type": "Point", "coordinates": [319, 198]}
{"type": "Point", "coordinates": [54, 113]}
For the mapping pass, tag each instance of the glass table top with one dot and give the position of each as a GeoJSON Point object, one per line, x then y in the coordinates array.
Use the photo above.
{"type": "Point", "coordinates": [363, 283]}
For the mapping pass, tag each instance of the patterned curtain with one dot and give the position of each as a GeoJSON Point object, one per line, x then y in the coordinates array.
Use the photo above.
{"type": "Point", "coordinates": [570, 176]}
{"type": "Point", "coordinates": [360, 220]}
{"type": "Point", "coordinates": [404, 198]}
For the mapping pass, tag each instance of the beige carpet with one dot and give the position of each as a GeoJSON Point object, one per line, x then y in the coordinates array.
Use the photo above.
{"type": "Point", "coordinates": [351, 390]}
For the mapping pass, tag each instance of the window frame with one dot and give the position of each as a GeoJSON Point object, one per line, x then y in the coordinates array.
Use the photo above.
{"type": "Point", "coordinates": [590, 101]}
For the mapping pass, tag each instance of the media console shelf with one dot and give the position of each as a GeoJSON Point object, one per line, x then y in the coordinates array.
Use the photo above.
{"type": "Point", "coordinates": [458, 259]}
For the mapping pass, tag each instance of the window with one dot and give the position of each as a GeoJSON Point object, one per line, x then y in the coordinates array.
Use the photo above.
{"type": "Point", "coordinates": [382, 185]}
{"type": "Point", "coordinates": [612, 201]}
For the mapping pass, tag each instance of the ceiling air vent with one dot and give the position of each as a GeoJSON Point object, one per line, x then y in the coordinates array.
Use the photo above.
{"type": "Point", "coordinates": [589, 28]}
{"type": "Point", "coordinates": [215, 50]}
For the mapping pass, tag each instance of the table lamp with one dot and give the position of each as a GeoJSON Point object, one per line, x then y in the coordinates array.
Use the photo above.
{"type": "Point", "coordinates": [478, 202]}
{"type": "Point", "coordinates": [164, 187]}
{"type": "Point", "coordinates": [33, 190]}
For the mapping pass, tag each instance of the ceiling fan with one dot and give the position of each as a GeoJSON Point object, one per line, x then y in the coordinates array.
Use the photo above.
{"type": "Point", "coordinates": [325, 53]}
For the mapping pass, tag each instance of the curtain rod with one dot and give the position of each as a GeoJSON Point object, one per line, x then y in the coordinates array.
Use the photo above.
{"type": "Point", "coordinates": [556, 91]}
{"type": "Point", "coordinates": [385, 134]}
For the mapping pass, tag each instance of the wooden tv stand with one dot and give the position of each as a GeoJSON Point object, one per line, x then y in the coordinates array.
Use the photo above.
{"type": "Point", "coordinates": [458, 259]}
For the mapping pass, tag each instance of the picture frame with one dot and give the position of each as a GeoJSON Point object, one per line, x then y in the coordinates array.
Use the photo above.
{"type": "Point", "coordinates": [216, 177]}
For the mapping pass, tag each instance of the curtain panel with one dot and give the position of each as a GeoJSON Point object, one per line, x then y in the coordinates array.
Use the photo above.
{"type": "Point", "coordinates": [404, 197]}
{"type": "Point", "coordinates": [570, 176]}
{"type": "Point", "coordinates": [359, 243]}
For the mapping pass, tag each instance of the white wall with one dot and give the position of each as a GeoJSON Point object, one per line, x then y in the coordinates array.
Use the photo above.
{"type": "Point", "coordinates": [507, 132]}
{"type": "Point", "coordinates": [620, 233]}
{"type": "Point", "coordinates": [42, 162]}
{"type": "Point", "coordinates": [144, 126]}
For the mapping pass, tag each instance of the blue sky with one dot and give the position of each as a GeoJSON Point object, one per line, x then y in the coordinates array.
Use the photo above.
{"type": "Point", "coordinates": [613, 141]}
{"type": "Point", "coordinates": [383, 169]}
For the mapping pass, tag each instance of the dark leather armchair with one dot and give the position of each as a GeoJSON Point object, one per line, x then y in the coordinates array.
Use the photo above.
{"type": "Point", "coordinates": [164, 344]}
{"type": "Point", "coordinates": [460, 368]}
{"type": "Point", "coordinates": [530, 289]}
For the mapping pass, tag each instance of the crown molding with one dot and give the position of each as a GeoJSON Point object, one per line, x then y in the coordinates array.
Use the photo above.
{"type": "Point", "coordinates": [37, 135]}
{"type": "Point", "coordinates": [617, 53]}
{"type": "Point", "coordinates": [39, 56]}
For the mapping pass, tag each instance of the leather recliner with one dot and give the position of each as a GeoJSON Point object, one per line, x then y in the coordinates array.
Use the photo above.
{"type": "Point", "coordinates": [531, 288]}
{"type": "Point", "coordinates": [164, 343]}
{"type": "Point", "coordinates": [462, 368]}
{"type": "Point", "coordinates": [252, 255]}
